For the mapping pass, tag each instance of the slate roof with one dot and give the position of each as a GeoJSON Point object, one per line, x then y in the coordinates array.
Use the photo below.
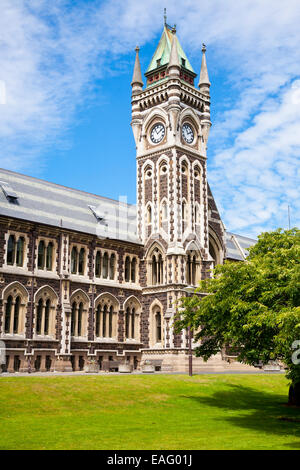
{"type": "Point", "coordinates": [52, 204]}
{"type": "Point", "coordinates": [28, 198]}
{"type": "Point", "coordinates": [237, 246]}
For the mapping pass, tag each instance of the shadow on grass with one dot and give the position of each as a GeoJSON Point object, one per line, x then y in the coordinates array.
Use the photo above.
{"type": "Point", "coordinates": [256, 410]}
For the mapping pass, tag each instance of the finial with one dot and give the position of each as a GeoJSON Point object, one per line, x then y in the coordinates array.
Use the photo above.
{"type": "Point", "coordinates": [165, 16]}
{"type": "Point", "coordinates": [137, 49]}
{"type": "Point", "coordinates": [203, 47]}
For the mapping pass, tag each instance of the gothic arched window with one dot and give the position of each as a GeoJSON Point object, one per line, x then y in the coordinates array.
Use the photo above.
{"type": "Point", "coordinates": [79, 315]}
{"type": "Point", "coordinates": [156, 263]}
{"type": "Point", "coordinates": [158, 334]}
{"type": "Point", "coordinates": [132, 319]}
{"type": "Point", "coordinates": [191, 269]}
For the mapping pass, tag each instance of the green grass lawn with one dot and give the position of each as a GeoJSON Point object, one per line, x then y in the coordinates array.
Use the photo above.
{"type": "Point", "coordinates": [147, 412]}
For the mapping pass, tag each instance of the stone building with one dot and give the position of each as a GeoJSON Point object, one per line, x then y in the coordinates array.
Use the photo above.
{"type": "Point", "coordinates": [84, 278]}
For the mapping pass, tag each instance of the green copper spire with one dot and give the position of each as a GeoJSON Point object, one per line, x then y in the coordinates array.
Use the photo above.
{"type": "Point", "coordinates": [162, 54]}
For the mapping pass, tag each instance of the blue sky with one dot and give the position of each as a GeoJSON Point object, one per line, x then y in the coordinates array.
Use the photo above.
{"type": "Point", "coordinates": [65, 73]}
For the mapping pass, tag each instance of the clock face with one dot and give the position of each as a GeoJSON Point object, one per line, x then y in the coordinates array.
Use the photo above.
{"type": "Point", "coordinates": [187, 133]}
{"type": "Point", "coordinates": [157, 133]}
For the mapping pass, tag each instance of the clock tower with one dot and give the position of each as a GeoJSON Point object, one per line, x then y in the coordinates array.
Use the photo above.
{"type": "Point", "coordinates": [171, 123]}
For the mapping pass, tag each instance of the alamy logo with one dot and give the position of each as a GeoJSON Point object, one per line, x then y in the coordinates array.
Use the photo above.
{"type": "Point", "coordinates": [296, 354]}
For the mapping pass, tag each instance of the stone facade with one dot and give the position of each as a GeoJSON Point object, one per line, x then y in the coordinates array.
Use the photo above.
{"type": "Point", "coordinates": [70, 298]}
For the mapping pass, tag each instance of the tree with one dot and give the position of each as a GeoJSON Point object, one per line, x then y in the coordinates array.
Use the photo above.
{"type": "Point", "coordinates": [253, 306]}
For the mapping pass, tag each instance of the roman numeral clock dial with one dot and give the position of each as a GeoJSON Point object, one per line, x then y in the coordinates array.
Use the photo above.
{"type": "Point", "coordinates": [187, 133]}
{"type": "Point", "coordinates": [157, 133]}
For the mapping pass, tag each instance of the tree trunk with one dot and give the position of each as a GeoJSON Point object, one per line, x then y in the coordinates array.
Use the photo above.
{"type": "Point", "coordinates": [294, 394]}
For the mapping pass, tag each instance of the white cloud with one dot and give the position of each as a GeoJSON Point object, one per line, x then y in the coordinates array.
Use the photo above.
{"type": "Point", "coordinates": [51, 53]}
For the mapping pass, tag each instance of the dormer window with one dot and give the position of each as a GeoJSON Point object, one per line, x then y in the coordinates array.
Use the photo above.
{"type": "Point", "coordinates": [183, 62]}
{"type": "Point", "coordinates": [158, 62]}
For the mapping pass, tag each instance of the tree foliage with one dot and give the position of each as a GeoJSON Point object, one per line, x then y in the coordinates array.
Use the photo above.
{"type": "Point", "coordinates": [253, 306]}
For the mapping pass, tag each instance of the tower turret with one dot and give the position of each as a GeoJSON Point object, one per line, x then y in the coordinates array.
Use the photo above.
{"type": "Point", "coordinates": [204, 82]}
{"type": "Point", "coordinates": [137, 82]}
{"type": "Point", "coordinates": [204, 85]}
{"type": "Point", "coordinates": [137, 87]}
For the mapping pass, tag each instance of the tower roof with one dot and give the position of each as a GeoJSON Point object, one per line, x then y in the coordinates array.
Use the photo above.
{"type": "Point", "coordinates": [163, 52]}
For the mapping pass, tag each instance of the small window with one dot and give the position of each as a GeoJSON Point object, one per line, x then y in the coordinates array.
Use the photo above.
{"type": "Point", "coordinates": [8, 309]}
{"type": "Point", "coordinates": [11, 246]}
{"type": "Point", "coordinates": [98, 316]}
{"type": "Point", "coordinates": [112, 263]}
{"type": "Point", "coordinates": [73, 318]}
{"type": "Point", "coordinates": [39, 315]}
{"type": "Point", "coordinates": [81, 261]}
{"type": "Point", "coordinates": [79, 321]}
{"type": "Point", "coordinates": [104, 315]}
{"type": "Point", "coordinates": [158, 327]}
{"type": "Point", "coordinates": [127, 269]}
{"type": "Point", "coordinates": [132, 323]}
{"type": "Point", "coordinates": [20, 252]}
{"type": "Point", "coordinates": [47, 317]}
{"type": "Point", "coordinates": [149, 215]}
{"type": "Point", "coordinates": [16, 314]}
{"type": "Point", "coordinates": [133, 270]}
{"type": "Point", "coordinates": [98, 264]}
{"type": "Point", "coordinates": [127, 318]}
{"type": "Point", "coordinates": [105, 266]}
{"type": "Point", "coordinates": [49, 256]}
{"type": "Point", "coordinates": [41, 255]}
{"type": "Point", "coordinates": [110, 324]}
{"type": "Point", "coordinates": [74, 256]}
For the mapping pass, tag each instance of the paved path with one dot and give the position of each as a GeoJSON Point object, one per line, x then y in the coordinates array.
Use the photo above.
{"type": "Point", "coordinates": [108, 374]}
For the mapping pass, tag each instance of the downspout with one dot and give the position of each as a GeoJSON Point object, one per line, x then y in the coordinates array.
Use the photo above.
{"type": "Point", "coordinates": [32, 294]}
